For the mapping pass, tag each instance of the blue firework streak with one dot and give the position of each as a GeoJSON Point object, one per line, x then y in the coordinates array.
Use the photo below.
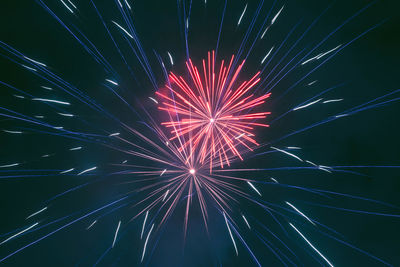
{"type": "Point", "coordinates": [83, 145]}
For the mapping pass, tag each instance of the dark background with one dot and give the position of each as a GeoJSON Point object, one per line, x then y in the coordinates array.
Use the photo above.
{"type": "Point", "coordinates": [369, 67]}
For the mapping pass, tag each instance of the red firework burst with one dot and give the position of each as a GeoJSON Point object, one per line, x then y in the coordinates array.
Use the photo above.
{"type": "Point", "coordinates": [212, 111]}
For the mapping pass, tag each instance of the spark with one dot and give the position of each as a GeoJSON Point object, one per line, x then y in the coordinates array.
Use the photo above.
{"type": "Point", "coordinates": [127, 4]}
{"type": "Point", "coordinates": [72, 4]}
{"type": "Point", "coordinates": [320, 55]}
{"type": "Point", "coordinates": [265, 31]}
{"type": "Point", "coordinates": [90, 226]}
{"type": "Point", "coordinates": [47, 88]}
{"type": "Point", "coordinates": [125, 31]}
{"type": "Point", "coordinates": [311, 245]}
{"type": "Point", "coordinates": [17, 234]}
{"type": "Point", "coordinates": [287, 153]}
{"type": "Point", "coordinates": [29, 68]}
{"type": "Point", "coordinates": [75, 148]}
{"type": "Point", "coordinates": [58, 128]}
{"type": "Point", "coordinates": [9, 165]}
{"type": "Point", "coordinates": [277, 15]}
{"type": "Point", "coordinates": [165, 195]}
{"type": "Point", "coordinates": [19, 96]}
{"type": "Point", "coordinates": [170, 58]}
{"type": "Point", "coordinates": [241, 16]}
{"type": "Point", "coordinates": [88, 170]}
{"type": "Point", "coordinates": [230, 233]}
{"type": "Point", "coordinates": [239, 136]}
{"type": "Point", "coordinates": [341, 115]}
{"type": "Point", "coordinates": [39, 116]}
{"type": "Point", "coordinates": [36, 213]}
{"type": "Point", "coordinates": [114, 134]}
{"type": "Point", "coordinates": [273, 179]}
{"type": "Point", "coordinates": [12, 132]}
{"type": "Point", "coordinates": [152, 99]}
{"type": "Point", "coordinates": [311, 83]}
{"type": "Point", "coordinates": [116, 233]}
{"type": "Point", "coordinates": [298, 211]}
{"type": "Point", "coordinates": [46, 156]}
{"type": "Point", "coordinates": [51, 101]}
{"type": "Point", "coordinates": [307, 105]}
{"type": "Point", "coordinates": [254, 188]}
{"type": "Point", "coordinates": [163, 172]}
{"type": "Point", "coordinates": [69, 170]}
{"type": "Point", "coordinates": [34, 61]}
{"type": "Point", "coordinates": [112, 82]}
{"type": "Point", "coordinates": [293, 147]}
{"type": "Point", "coordinates": [245, 220]}
{"type": "Point", "coordinates": [125, 161]}
{"type": "Point", "coordinates": [262, 61]}
{"type": "Point", "coordinates": [70, 10]}
{"type": "Point", "coordinates": [145, 243]}
{"type": "Point", "coordinates": [144, 224]}
{"type": "Point", "coordinates": [312, 163]}
{"type": "Point", "coordinates": [66, 114]}
{"type": "Point", "coordinates": [332, 100]}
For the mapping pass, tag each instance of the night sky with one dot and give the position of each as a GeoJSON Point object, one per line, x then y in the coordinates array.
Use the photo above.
{"type": "Point", "coordinates": [364, 70]}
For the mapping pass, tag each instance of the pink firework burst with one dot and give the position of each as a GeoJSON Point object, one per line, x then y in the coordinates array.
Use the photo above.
{"type": "Point", "coordinates": [212, 111]}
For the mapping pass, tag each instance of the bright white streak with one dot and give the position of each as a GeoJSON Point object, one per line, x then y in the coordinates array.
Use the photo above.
{"type": "Point", "coordinates": [119, 3]}
{"type": "Point", "coordinates": [165, 196]}
{"type": "Point", "coordinates": [37, 62]}
{"type": "Point", "coordinates": [254, 188]}
{"type": "Point", "coordinates": [312, 163]}
{"type": "Point", "coordinates": [125, 161]}
{"type": "Point", "coordinates": [163, 172]}
{"type": "Point", "coordinates": [266, 29]}
{"type": "Point", "coordinates": [293, 147]}
{"type": "Point", "coordinates": [145, 243]}
{"type": "Point", "coordinates": [170, 58]}
{"type": "Point", "coordinates": [127, 4]}
{"type": "Point", "coordinates": [36, 213]}
{"type": "Point", "coordinates": [262, 61]}
{"type": "Point", "coordinates": [287, 153]}
{"type": "Point", "coordinates": [323, 169]}
{"type": "Point", "coordinates": [342, 115]}
{"type": "Point", "coordinates": [29, 68]}
{"type": "Point", "coordinates": [114, 134]}
{"type": "Point", "coordinates": [111, 81]}
{"type": "Point", "coordinates": [72, 4]}
{"type": "Point", "coordinates": [47, 88]}
{"type": "Point", "coordinates": [39, 117]}
{"type": "Point", "coordinates": [19, 96]}
{"type": "Point", "coordinates": [46, 156]}
{"type": "Point", "coordinates": [245, 220]}
{"type": "Point", "coordinates": [152, 99]}
{"type": "Point", "coordinates": [119, 26]}
{"type": "Point", "coordinates": [241, 16]}
{"type": "Point", "coordinates": [70, 170]}
{"type": "Point", "coordinates": [66, 114]}
{"type": "Point", "coordinates": [298, 211]}
{"type": "Point", "coordinates": [116, 233]}
{"type": "Point", "coordinates": [12, 132]}
{"type": "Point", "coordinates": [58, 128]}
{"type": "Point", "coordinates": [311, 83]}
{"type": "Point", "coordinates": [91, 224]}
{"type": "Point", "coordinates": [332, 100]}
{"type": "Point", "coordinates": [237, 137]}
{"type": "Point", "coordinates": [75, 148]}
{"type": "Point", "coordinates": [311, 245]}
{"type": "Point", "coordinates": [88, 170]}
{"type": "Point", "coordinates": [307, 105]}
{"type": "Point", "coordinates": [273, 179]}
{"type": "Point", "coordinates": [230, 233]}
{"type": "Point", "coordinates": [9, 165]}
{"type": "Point", "coordinates": [276, 16]}
{"type": "Point", "coordinates": [70, 10]}
{"type": "Point", "coordinates": [320, 55]}
{"type": "Point", "coordinates": [51, 100]}
{"type": "Point", "coordinates": [17, 234]}
{"type": "Point", "coordinates": [144, 223]}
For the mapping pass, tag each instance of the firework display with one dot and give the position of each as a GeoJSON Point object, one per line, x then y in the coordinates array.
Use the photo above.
{"type": "Point", "coordinates": [198, 133]}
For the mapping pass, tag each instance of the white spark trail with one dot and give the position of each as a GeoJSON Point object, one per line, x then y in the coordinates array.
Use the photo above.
{"type": "Point", "coordinates": [273, 179]}
{"type": "Point", "coordinates": [9, 165]}
{"type": "Point", "coordinates": [311, 245]}
{"type": "Point", "coordinates": [116, 233]}
{"type": "Point", "coordinates": [70, 10]}
{"type": "Point", "coordinates": [298, 211]}
{"type": "Point", "coordinates": [245, 220]}
{"type": "Point", "coordinates": [90, 226]}
{"type": "Point", "coordinates": [72, 4]}
{"type": "Point", "coordinates": [51, 101]}
{"type": "Point", "coordinates": [311, 83]}
{"type": "Point", "coordinates": [312, 163]}
{"type": "Point", "coordinates": [320, 55]}
{"type": "Point", "coordinates": [254, 188]}
{"type": "Point", "coordinates": [266, 29]}
{"type": "Point", "coordinates": [332, 100]}
{"type": "Point", "coordinates": [244, 11]}
{"type": "Point", "coordinates": [112, 82]}
{"type": "Point", "coordinates": [170, 58]}
{"type": "Point", "coordinates": [287, 153]}
{"type": "Point", "coordinates": [17, 234]}
{"type": "Point", "coordinates": [230, 233]}
{"type": "Point", "coordinates": [307, 105]}
{"type": "Point", "coordinates": [75, 148]}
{"type": "Point", "coordinates": [47, 88]}
{"type": "Point", "coordinates": [119, 26]}
{"type": "Point", "coordinates": [262, 61]}
{"type": "Point", "coordinates": [66, 114]}
{"type": "Point", "coordinates": [12, 132]}
{"type": "Point", "coordinates": [277, 15]}
{"type": "Point", "coordinates": [127, 4]}
{"type": "Point", "coordinates": [165, 196]}
{"type": "Point", "coordinates": [36, 213]}
{"type": "Point", "coordinates": [144, 223]}
{"type": "Point", "coordinates": [70, 170]}
{"type": "Point", "coordinates": [34, 61]}
{"type": "Point", "coordinates": [29, 68]}
{"type": "Point", "coordinates": [342, 115]}
{"type": "Point", "coordinates": [114, 134]}
{"type": "Point", "coordinates": [293, 147]}
{"type": "Point", "coordinates": [145, 243]}
{"type": "Point", "coordinates": [88, 170]}
{"type": "Point", "coordinates": [19, 96]}
{"type": "Point", "coordinates": [163, 172]}
{"type": "Point", "coordinates": [152, 99]}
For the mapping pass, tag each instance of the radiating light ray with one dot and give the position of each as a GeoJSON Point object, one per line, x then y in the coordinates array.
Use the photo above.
{"type": "Point", "coordinates": [145, 243]}
{"type": "Point", "coordinates": [230, 234]}
{"type": "Point", "coordinates": [125, 31]}
{"type": "Point", "coordinates": [245, 220]}
{"type": "Point", "coordinates": [116, 234]}
{"type": "Point", "coordinates": [253, 187]}
{"type": "Point", "coordinates": [36, 213]}
{"type": "Point", "coordinates": [298, 211]}
{"type": "Point", "coordinates": [19, 233]}
{"type": "Point", "coordinates": [311, 245]}
{"type": "Point", "coordinates": [69, 9]}
{"type": "Point", "coordinates": [34, 61]}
